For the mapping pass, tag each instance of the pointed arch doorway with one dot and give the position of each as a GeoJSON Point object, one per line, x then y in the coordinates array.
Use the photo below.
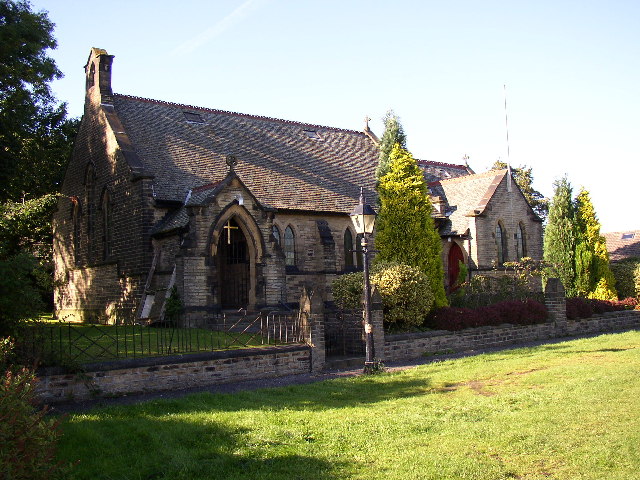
{"type": "Point", "coordinates": [455, 257]}
{"type": "Point", "coordinates": [234, 266]}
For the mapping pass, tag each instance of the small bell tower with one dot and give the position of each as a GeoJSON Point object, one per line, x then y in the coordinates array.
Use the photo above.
{"type": "Point", "coordinates": [98, 76]}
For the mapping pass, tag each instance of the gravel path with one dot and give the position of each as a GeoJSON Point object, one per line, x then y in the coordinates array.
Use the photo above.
{"type": "Point", "coordinates": [300, 379]}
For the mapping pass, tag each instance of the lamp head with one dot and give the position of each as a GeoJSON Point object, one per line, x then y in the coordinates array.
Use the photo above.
{"type": "Point", "coordinates": [363, 216]}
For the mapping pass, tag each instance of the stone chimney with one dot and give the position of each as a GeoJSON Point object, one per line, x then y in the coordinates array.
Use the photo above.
{"type": "Point", "coordinates": [98, 76]}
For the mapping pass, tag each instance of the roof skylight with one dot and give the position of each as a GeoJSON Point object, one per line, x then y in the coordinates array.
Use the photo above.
{"type": "Point", "coordinates": [312, 134]}
{"type": "Point", "coordinates": [626, 236]}
{"type": "Point", "coordinates": [193, 117]}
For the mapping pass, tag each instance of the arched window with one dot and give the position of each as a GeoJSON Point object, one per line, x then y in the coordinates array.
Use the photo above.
{"type": "Point", "coordinates": [348, 249]}
{"type": "Point", "coordinates": [501, 243]}
{"type": "Point", "coordinates": [275, 231]}
{"type": "Point", "coordinates": [107, 227]}
{"type": "Point", "coordinates": [90, 199]}
{"type": "Point", "coordinates": [521, 244]}
{"type": "Point", "coordinates": [75, 223]}
{"type": "Point", "coordinates": [289, 247]}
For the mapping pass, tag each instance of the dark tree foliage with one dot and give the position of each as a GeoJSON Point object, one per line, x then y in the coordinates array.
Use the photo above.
{"type": "Point", "coordinates": [523, 176]}
{"type": "Point", "coordinates": [35, 145]}
{"type": "Point", "coordinates": [393, 134]}
{"type": "Point", "coordinates": [560, 236]}
{"type": "Point", "coordinates": [35, 136]}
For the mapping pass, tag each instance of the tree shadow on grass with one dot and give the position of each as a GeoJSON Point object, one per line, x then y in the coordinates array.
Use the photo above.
{"type": "Point", "coordinates": [170, 447]}
{"type": "Point", "coordinates": [182, 438]}
{"type": "Point", "coordinates": [329, 394]}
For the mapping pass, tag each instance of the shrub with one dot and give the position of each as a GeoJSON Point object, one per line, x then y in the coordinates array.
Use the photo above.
{"type": "Point", "coordinates": [517, 282]}
{"type": "Point", "coordinates": [629, 303]}
{"type": "Point", "coordinates": [578, 308]}
{"type": "Point", "coordinates": [27, 438]}
{"type": "Point", "coordinates": [347, 290]}
{"type": "Point", "coordinates": [405, 292]}
{"type": "Point", "coordinates": [627, 275]}
{"type": "Point", "coordinates": [518, 312]}
{"type": "Point", "coordinates": [19, 297]}
{"type": "Point", "coordinates": [586, 307]}
{"type": "Point", "coordinates": [450, 318]}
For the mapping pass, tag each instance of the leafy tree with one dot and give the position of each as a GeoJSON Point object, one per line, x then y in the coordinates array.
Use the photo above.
{"type": "Point", "coordinates": [523, 176]}
{"type": "Point", "coordinates": [405, 231]}
{"type": "Point", "coordinates": [35, 145]}
{"type": "Point", "coordinates": [34, 132]}
{"type": "Point", "coordinates": [393, 134]}
{"type": "Point", "coordinates": [25, 226]}
{"type": "Point", "coordinates": [25, 259]}
{"type": "Point", "coordinates": [594, 278]}
{"type": "Point", "coordinates": [560, 236]}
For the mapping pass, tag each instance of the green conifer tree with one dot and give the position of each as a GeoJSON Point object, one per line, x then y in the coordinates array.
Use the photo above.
{"type": "Point", "coordinates": [594, 278]}
{"type": "Point", "coordinates": [405, 231]}
{"type": "Point", "coordinates": [393, 134]}
{"type": "Point", "coordinates": [560, 236]}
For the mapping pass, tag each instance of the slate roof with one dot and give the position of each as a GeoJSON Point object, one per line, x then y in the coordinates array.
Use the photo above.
{"type": "Point", "coordinates": [434, 171]}
{"type": "Point", "coordinates": [285, 164]}
{"type": "Point", "coordinates": [623, 245]}
{"type": "Point", "coordinates": [465, 196]}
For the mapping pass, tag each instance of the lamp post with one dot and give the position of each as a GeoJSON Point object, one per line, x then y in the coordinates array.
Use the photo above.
{"type": "Point", "coordinates": [364, 219]}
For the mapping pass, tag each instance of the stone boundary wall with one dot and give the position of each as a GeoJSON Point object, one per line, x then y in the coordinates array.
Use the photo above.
{"type": "Point", "coordinates": [146, 375]}
{"type": "Point", "coordinates": [171, 373]}
{"type": "Point", "coordinates": [414, 345]}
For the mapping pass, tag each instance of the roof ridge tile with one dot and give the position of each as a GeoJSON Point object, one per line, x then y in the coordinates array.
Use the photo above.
{"type": "Point", "coordinates": [441, 164]}
{"type": "Point", "coordinates": [238, 114]}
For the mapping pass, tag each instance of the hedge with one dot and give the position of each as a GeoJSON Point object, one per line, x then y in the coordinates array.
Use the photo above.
{"type": "Point", "coordinates": [517, 312]}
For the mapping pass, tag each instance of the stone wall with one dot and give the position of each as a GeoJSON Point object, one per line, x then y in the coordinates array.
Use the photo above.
{"type": "Point", "coordinates": [410, 346]}
{"type": "Point", "coordinates": [510, 209]}
{"type": "Point", "coordinates": [172, 373]}
{"type": "Point", "coordinates": [92, 280]}
{"type": "Point", "coordinates": [196, 370]}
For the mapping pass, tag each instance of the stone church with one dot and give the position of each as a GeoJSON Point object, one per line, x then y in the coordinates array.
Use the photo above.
{"type": "Point", "coordinates": [239, 211]}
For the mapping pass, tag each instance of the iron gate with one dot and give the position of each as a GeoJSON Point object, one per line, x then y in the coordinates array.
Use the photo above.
{"type": "Point", "coordinates": [344, 334]}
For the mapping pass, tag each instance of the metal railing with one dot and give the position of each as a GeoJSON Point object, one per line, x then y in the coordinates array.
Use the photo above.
{"type": "Point", "coordinates": [73, 344]}
{"type": "Point", "coordinates": [344, 333]}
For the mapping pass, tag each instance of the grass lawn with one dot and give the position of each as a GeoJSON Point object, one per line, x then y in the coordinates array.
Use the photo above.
{"type": "Point", "coordinates": [561, 411]}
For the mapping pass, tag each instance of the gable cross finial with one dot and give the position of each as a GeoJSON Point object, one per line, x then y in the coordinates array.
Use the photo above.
{"type": "Point", "coordinates": [366, 122]}
{"type": "Point", "coordinates": [232, 161]}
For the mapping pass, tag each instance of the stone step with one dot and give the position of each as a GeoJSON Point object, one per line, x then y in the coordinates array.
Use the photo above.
{"type": "Point", "coordinates": [344, 363]}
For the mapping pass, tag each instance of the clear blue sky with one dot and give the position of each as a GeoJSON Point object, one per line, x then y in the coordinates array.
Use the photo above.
{"type": "Point", "coordinates": [571, 70]}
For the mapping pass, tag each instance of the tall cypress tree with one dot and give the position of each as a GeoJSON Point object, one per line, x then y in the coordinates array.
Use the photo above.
{"type": "Point", "coordinates": [393, 134]}
{"type": "Point", "coordinates": [593, 274]}
{"type": "Point", "coordinates": [560, 236]}
{"type": "Point", "coordinates": [405, 231]}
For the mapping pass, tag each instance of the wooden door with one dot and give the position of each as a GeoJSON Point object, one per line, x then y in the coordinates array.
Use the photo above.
{"type": "Point", "coordinates": [455, 257]}
{"type": "Point", "coordinates": [233, 262]}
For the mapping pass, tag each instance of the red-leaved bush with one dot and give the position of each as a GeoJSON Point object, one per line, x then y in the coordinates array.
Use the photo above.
{"type": "Point", "coordinates": [517, 312]}
{"type": "Point", "coordinates": [586, 307]}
